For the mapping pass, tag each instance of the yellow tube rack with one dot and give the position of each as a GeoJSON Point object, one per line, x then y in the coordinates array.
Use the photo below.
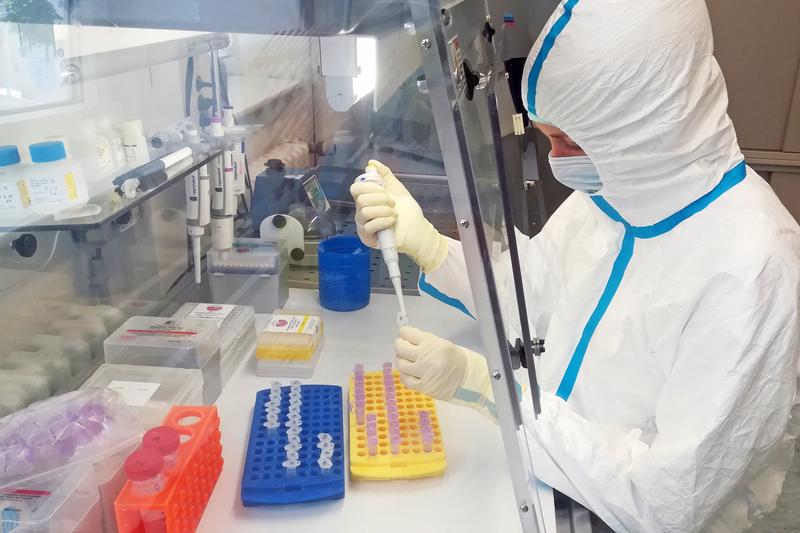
{"type": "Point", "coordinates": [412, 461]}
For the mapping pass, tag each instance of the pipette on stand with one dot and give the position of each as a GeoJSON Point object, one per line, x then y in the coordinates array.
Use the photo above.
{"type": "Point", "coordinates": [388, 247]}
{"type": "Point", "coordinates": [222, 197]}
{"type": "Point", "coordinates": [198, 213]}
{"type": "Point", "coordinates": [198, 206]}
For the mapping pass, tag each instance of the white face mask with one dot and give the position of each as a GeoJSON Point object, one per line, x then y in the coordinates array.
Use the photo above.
{"type": "Point", "coordinates": [578, 173]}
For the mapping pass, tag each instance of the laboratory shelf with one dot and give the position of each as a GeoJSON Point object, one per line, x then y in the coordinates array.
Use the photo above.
{"type": "Point", "coordinates": [115, 206]}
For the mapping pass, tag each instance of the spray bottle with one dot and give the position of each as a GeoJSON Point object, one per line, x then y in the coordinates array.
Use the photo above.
{"type": "Point", "coordinates": [388, 248]}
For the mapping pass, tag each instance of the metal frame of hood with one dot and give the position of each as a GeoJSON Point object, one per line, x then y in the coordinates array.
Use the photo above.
{"type": "Point", "coordinates": [463, 188]}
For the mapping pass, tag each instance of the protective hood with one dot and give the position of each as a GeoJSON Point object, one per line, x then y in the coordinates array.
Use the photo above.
{"type": "Point", "coordinates": [636, 85]}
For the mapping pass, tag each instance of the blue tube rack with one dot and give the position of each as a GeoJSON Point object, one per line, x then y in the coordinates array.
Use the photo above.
{"type": "Point", "coordinates": [265, 481]}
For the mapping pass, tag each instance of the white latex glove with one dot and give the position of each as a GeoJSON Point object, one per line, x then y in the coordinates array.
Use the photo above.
{"type": "Point", "coordinates": [443, 370]}
{"type": "Point", "coordinates": [391, 205]}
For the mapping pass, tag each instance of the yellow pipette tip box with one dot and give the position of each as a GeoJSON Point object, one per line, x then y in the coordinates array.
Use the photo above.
{"type": "Point", "coordinates": [411, 461]}
{"type": "Point", "coordinates": [290, 344]}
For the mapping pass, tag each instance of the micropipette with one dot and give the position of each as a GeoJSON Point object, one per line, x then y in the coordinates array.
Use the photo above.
{"type": "Point", "coordinates": [198, 208]}
{"type": "Point", "coordinates": [388, 247]}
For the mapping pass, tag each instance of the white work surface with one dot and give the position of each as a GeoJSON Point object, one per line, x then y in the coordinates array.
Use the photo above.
{"type": "Point", "coordinates": [475, 493]}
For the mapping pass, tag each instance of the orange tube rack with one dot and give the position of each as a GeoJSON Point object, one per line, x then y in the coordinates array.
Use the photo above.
{"type": "Point", "coordinates": [189, 486]}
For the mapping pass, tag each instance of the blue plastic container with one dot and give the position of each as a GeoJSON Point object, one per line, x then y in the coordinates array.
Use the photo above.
{"type": "Point", "coordinates": [344, 276]}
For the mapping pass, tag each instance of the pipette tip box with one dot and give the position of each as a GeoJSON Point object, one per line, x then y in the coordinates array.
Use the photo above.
{"type": "Point", "coordinates": [395, 435]}
{"type": "Point", "coordinates": [290, 345]}
{"type": "Point", "coordinates": [149, 391]}
{"type": "Point", "coordinates": [169, 342]}
{"type": "Point", "coordinates": [252, 272]}
{"type": "Point", "coordinates": [267, 478]}
{"type": "Point", "coordinates": [237, 331]}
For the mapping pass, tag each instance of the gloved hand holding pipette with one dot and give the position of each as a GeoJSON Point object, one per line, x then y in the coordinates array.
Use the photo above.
{"type": "Point", "coordinates": [390, 205]}
{"type": "Point", "coordinates": [388, 217]}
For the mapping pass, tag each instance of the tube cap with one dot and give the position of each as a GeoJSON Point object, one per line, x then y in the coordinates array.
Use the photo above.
{"type": "Point", "coordinates": [144, 464]}
{"type": "Point", "coordinates": [9, 155]}
{"type": "Point", "coordinates": [163, 438]}
{"type": "Point", "coordinates": [48, 151]}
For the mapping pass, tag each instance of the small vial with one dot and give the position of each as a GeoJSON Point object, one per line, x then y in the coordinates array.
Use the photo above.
{"type": "Point", "coordinates": [291, 467]}
{"type": "Point", "coordinates": [291, 447]}
{"type": "Point", "coordinates": [166, 441]}
{"type": "Point", "coordinates": [293, 439]}
{"type": "Point", "coordinates": [372, 434]}
{"type": "Point", "coordinates": [325, 465]}
{"type": "Point", "coordinates": [275, 385]}
{"type": "Point", "coordinates": [427, 443]}
{"type": "Point", "coordinates": [324, 437]}
{"type": "Point", "coordinates": [326, 446]}
{"type": "Point", "coordinates": [292, 455]}
{"type": "Point", "coordinates": [145, 470]}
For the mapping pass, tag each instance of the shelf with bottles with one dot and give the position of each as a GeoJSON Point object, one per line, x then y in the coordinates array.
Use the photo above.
{"type": "Point", "coordinates": [118, 193]}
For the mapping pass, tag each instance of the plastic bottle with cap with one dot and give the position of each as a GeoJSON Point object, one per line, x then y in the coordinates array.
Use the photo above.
{"type": "Point", "coordinates": [134, 143]}
{"type": "Point", "coordinates": [94, 152]}
{"type": "Point", "coordinates": [145, 470]}
{"type": "Point", "coordinates": [228, 120]}
{"type": "Point", "coordinates": [54, 181]}
{"type": "Point", "coordinates": [105, 128]}
{"type": "Point", "coordinates": [166, 441]}
{"type": "Point", "coordinates": [14, 197]}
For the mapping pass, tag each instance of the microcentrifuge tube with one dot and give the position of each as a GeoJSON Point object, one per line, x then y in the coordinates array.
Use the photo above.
{"type": "Point", "coordinates": [293, 439]}
{"type": "Point", "coordinates": [324, 437]}
{"type": "Point", "coordinates": [291, 467]}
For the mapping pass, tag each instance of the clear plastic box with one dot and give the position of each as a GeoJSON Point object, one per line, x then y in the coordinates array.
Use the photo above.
{"type": "Point", "coordinates": [150, 391]}
{"type": "Point", "coordinates": [253, 272]}
{"type": "Point", "coordinates": [237, 330]}
{"type": "Point", "coordinates": [60, 501]}
{"type": "Point", "coordinates": [169, 342]}
{"type": "Point", "coordinates": [290, 344]}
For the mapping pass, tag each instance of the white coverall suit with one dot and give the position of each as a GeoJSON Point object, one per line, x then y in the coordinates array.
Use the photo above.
{"type": "Point", "coordinates": [668, 300]}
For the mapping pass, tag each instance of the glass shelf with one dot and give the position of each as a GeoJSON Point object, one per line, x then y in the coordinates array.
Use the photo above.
{"type": "Point", "coordinates": [114, 205]}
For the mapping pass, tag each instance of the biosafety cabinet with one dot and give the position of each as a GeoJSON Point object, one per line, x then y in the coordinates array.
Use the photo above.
{"type": "Point", "coordinates": [119, 119]}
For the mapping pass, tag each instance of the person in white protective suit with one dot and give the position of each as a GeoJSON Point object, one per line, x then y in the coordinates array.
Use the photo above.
{"type": "Point", "coordinates": [667, 285]}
